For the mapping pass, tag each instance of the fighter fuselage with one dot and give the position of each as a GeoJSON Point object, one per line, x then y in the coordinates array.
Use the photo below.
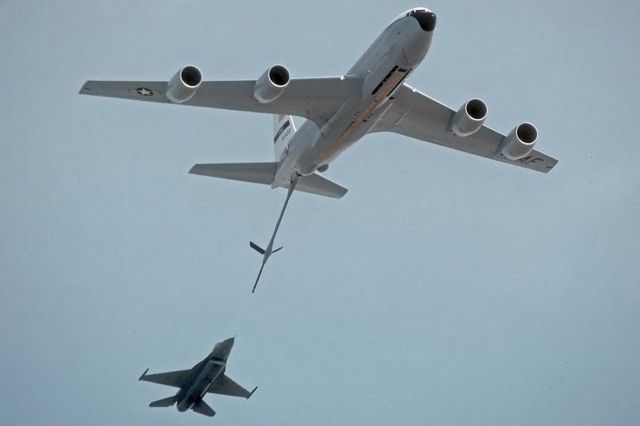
{"type": "Point", "coordinates": [189, 395]}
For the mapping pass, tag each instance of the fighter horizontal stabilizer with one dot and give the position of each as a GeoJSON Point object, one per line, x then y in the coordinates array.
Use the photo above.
{"type": "Point", "coordinates": [166, 402]}
{"type": "Point", "coordinates": [202, 407]}
{"type": "Point", "coordinates": [228, 387]}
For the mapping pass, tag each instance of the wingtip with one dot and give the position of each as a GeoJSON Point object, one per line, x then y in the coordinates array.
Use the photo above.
{"type": "Point", "coordinates": [250, 394]}
{"type": "Point", "coordinates": [84, 89]}
{"type": "Point", "coordinates": [143, 374]}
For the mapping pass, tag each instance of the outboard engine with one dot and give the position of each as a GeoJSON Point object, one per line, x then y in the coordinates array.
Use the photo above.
{"type": "Point", "coordinates": [520, 142]}
{"type": "Point", "coordinates": [184, 84]}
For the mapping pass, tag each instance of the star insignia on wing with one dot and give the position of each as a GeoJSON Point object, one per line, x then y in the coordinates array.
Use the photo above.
{"type": "Point", "coordinates": [143, 91]}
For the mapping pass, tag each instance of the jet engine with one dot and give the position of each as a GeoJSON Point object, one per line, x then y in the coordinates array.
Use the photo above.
{"type": "Point", "coordinates": [271, 84]}
{"type": "Point", "coordinates": [184, 84]}
{"type": "Point", "coordinates": [520, 142]}
{"type": "Point", "coordinates": [469, 118]}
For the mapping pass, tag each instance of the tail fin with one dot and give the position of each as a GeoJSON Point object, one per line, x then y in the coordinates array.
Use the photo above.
{"type": "Point", "coordinates": [166, 402]}
{"type": "Point", "coordinates": [283, 130]}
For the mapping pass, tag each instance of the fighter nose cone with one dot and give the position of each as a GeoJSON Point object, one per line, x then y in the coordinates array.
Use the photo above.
{"type": "Point", "coordinates": [426, 19]}
{"type": "Point", "coordinates": [227, 344]}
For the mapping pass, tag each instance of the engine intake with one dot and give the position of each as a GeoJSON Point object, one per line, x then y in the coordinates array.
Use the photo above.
{"type": "Point", "coordinates": [520, 142]}
{"type": "Point", "coordinates": [184, 84]}
{"type": "Point", "coordinates": [271, 84]}
{"type": "Point", "coordinates": [469, 118]}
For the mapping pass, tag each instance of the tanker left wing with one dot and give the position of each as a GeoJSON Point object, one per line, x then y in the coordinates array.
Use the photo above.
{"type": "Point", "coordinates": [418, 116]}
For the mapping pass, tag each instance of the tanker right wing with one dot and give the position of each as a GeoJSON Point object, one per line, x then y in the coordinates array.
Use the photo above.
{"type": "Point", "coordinates": [313, 98]}
{"type": "Point", "coordinates": [418, 116]}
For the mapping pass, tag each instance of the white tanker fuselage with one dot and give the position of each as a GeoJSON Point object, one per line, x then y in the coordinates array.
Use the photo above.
{"type": "Point", "coordinates": [382, 69]}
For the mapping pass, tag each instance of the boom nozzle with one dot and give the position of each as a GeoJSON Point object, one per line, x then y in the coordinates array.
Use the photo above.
{"type": "Point", "coordinates": [266, 253]}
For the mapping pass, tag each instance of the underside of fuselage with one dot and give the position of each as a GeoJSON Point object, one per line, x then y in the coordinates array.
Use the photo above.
{"type": "Point", "coordinates": [381, 70]}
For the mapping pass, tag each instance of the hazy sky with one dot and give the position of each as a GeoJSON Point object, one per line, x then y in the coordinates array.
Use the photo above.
{"type": "Point", "coordinates": [444, 289]}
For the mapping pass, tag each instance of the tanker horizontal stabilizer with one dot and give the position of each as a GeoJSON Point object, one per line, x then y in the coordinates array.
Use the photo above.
{"type": "Point", "coordinates": [264, 173]}
{"type": "Point", "coordinates": [246, 172]}
{"type": "Point", "coordinates": [319, 185]}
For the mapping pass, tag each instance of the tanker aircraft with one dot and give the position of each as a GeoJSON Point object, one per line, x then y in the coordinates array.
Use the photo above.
{"type": "Point", "coordinates": [370, 97]}
{"type": "Point", "coordinates": [207, 376]}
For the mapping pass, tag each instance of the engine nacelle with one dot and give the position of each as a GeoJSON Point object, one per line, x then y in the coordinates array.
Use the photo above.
{"type": "Point", "coordinates": [184, 84]}
{"type": "Point", "coordinates": [469, 118]}
{"type": "Point", "coordinates": [271, 84]}
{"type": "Point", "coordinates": [520, 142]}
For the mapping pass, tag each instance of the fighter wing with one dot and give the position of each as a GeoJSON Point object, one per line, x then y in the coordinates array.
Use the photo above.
{"type": "Point", "coordinates": [314, 98]}
{"type": "Point", "coordinates": [172, 378]}
{"type": "Point", "coordinates": [416, 115]}
{"type": "Point", "coordinates": [226, 386]}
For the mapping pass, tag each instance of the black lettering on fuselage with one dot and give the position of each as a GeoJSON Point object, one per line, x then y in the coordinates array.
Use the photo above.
{"type": "Point", "coordinates": [282, 129]}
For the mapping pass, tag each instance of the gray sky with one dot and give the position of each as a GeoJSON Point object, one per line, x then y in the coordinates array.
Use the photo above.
{"type": "Point", "coordinates": [444, 289]}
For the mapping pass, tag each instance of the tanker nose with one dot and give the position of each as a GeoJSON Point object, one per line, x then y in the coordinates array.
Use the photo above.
{"type": "Point", "coordinates": [426, 19]}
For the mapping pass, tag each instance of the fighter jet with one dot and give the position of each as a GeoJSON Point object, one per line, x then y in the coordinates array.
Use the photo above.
{"type": "Point", "coordinates": [372, 96]}
{"type": "Point", "coordinates": [207, 376]}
